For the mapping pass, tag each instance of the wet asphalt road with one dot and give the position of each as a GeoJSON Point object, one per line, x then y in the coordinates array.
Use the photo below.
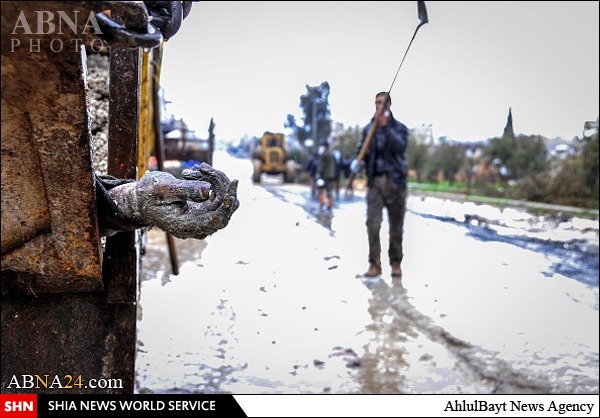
{"type": "Point", "coordinates": [272, 304]}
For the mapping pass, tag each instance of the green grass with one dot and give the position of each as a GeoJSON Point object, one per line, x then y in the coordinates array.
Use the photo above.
{"type": "Point", "coordinates": [457, 191]}
{"type": "Point", "coordinates": [442, 186]}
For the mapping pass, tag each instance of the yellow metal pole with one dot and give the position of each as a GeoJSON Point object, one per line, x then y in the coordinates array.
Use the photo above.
{"type": "Point", "coordinates": [146, 131]}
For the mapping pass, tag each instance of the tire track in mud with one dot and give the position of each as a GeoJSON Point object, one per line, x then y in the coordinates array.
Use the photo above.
{"type": "Point", "coordinates": [484, 364]}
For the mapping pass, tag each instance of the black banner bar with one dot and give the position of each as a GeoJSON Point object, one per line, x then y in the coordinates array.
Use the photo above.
{"type": "Point", "coordinates": [143, 405]}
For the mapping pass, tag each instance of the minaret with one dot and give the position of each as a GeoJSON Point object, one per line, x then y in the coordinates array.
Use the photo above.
{"type": "Point", "coordinates": [508, 129]}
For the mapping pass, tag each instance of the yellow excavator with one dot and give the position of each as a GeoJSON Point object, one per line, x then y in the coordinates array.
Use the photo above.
{"type": "Point", "coordinates": [272, 156]}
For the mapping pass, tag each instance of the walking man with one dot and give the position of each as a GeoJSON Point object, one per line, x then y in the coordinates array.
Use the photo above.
{"type": "Point", "coordinates": [326, 175]}
{"type": "Point", "coordinates": [386, 184]}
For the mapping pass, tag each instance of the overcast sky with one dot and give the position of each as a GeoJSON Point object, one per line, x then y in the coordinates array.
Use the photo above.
{"type": "Point", "coordinates": [246, 64]}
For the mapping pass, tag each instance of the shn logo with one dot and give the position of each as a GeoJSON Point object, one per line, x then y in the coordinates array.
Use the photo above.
{"type": "Point", "coordinates": [18, 406]}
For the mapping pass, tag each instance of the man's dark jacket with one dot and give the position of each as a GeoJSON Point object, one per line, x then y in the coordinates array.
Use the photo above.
{"type": "Point", "coordinates": [390, 142]}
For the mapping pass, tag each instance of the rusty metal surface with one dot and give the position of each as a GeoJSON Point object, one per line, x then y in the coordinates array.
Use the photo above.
{"type": "Point", "coordinates": [67, 334]}
{"type": "Point", "coordinates": [50, 239]}
{"type": "Point", "coordinates": [123, 112]}
{"type": "Point", "coordinates": [122, 255]}
{"type": "Point", "coordinates": [63, 313]}
{"type": "Point", "coordinates": [21, 222]}
{"type": "Point", "coordinates": [47, 180]}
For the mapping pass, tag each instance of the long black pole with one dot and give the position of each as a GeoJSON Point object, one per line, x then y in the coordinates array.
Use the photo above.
{"type": "Point", "coordinates": [423, 19]}
{"type": "Point", "coordinates": [159, 143]}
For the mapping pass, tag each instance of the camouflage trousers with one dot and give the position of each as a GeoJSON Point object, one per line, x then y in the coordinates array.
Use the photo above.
{"type": "Point", "coordinates": [383, 193]}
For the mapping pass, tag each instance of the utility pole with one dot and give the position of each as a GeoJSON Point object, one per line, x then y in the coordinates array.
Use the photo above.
{"type": "Point", "coordinates": [315, 126]}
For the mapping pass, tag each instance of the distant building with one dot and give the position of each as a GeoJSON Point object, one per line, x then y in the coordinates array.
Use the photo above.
{"type": "Point", "coordinates": [183, 144]}
{"type": "Point", "coordinates": [590, 127]}
{"type": "Point", "coordinates": [424, 133]}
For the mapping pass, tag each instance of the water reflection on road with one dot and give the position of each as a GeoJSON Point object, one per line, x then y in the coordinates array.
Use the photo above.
{"type": "Point", "coordinates": [272, 304]}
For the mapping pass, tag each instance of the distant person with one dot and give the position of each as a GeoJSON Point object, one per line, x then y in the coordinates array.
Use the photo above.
{"type": "Point", "coordinates": [311, 168]}
{"type": "Point", "coordinates": [347, 171]}
{"type": "Point", "coordinates": [325, 177]}
{"type": "Point", "coordinates": [337, 154]}
{"type": "Point", "coordinates": [386, 183]}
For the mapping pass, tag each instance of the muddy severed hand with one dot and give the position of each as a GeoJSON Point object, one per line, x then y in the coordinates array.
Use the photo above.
{"type": "Point", "coordinates": [195, 207]}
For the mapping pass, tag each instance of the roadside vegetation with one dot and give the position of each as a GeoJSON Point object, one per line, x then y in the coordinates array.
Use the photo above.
{"type": "Point", "coordinates": [510, 167]}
